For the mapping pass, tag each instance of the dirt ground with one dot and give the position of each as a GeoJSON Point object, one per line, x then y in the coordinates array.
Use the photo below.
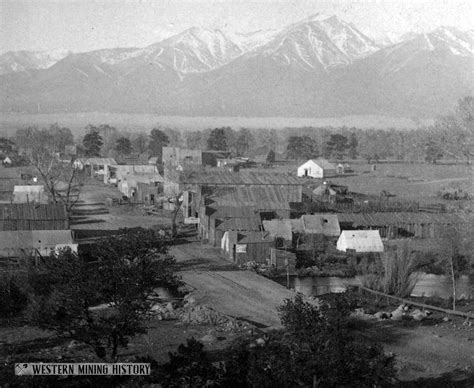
{"type": "Point", "coordinates": [426, 350]}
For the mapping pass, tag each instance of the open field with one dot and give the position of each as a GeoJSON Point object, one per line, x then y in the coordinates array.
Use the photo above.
{"type": "Point", "coordinates": [411, 181]}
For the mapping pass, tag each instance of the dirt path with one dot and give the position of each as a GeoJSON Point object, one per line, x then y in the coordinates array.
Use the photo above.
{"type": "Point", "coordinates": [240, 294]}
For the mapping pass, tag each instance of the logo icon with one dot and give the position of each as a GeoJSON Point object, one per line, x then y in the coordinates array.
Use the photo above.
{"type": "Point", "coordinates": [23, 369]}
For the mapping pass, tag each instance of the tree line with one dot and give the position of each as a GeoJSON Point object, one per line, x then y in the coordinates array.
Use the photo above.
{"type": "Point", "coordinates": [451, 136]}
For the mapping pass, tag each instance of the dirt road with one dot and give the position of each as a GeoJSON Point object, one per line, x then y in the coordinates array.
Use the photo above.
{"type": "Point", "coordinates": [240, 294]}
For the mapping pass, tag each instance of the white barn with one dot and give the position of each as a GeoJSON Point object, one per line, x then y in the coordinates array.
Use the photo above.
{"type": "Point", "coordinates": [316, 168]}
{"type": "Point", "coordinates": [360, 241]}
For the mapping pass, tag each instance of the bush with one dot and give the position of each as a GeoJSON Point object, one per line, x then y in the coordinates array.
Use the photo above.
{"type": "Point", "coordinates": [13, 298]}
{"type": "Point", "coordinates": [314, 349]}
{"type": "Point", "coordinates": [127, 270]}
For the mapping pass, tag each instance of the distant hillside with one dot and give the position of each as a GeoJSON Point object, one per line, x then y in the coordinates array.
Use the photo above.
{"type": "Point", "coordinates": [319, 67]}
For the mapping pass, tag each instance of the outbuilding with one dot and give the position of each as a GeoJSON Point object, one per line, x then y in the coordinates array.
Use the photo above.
{"type": "Point", "coordinates": [360, 241]}
{"type": "Point", "coordinates": [316, 168]}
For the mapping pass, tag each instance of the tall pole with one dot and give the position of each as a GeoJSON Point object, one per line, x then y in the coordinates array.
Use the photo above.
{"type": "Point", "coordinates": [287, 273]}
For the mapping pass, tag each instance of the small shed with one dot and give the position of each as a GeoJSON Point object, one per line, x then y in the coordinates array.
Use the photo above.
{"type": "Point", "coordinates": [316, 168]}
{"type": "Point", "coordinates": [242, 247]}
{"type": "Point", "coordinates": [360, 241]}
{"type": "Point", "coordinates": [325, 224]}
{"type": "Point", "coordinates": [29, 193]}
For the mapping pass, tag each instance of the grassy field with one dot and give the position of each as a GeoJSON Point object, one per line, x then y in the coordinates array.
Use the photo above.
{"type": "Point", "coordinates": [418, 182]}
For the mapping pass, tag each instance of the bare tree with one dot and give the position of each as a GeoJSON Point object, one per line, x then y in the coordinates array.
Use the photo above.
{"type": "Point", "coordinates": [62, 180]}
{"type": "Point", "coordinates": [455, 262]}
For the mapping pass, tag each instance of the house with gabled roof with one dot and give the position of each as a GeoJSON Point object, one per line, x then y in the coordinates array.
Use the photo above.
{"type": "Point", "coordinates": [316, 168]}
{"type": "Point", "coordinates": [362, 241]}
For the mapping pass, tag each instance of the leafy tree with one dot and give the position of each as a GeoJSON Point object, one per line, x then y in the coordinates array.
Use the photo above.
{"type": "Point", "coordinates": [194, 140]}
{"type": "Point", "coordinates": [433, 151]}
{"type": "Point", "coordinates": [271, 157]}
{"type": "Point", "coordinates": [139, 143]}
{"type": "Point", "coordinates": [337, 145]}
{"type": "Point", "coordinates": [457, 130]}
{"type": "Point", "coordinates": [315, 348]}
{"type": "Point", "coordinates": [188, 367]}
{"type": "Point", "coordinates": [353, 143]}
{"type": "Point", "coordinates": [158, 140]}
{"type": "Point", "coordinates": [92, 143]}
{"type": "Point", "coordinates": [125, 271]}
{"type": "Point", "coordinates": [123, 146]}
{"type": "Point", "coordinates": [301, 147]}
{"type": "Point", "coordinates": [62, 136]}
{"type": "Point", "coordinates": [217, 140]}
{"type": "Point", "coordinates": [245, 141]}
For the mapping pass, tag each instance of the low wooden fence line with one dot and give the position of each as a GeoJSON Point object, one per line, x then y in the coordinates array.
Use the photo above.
{"type": "Point", "coordinates": [426, 306]}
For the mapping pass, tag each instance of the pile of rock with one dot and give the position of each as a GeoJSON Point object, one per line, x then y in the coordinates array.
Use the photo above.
{"type": "Point", "coordinates": [208, 316]}
{"type": "Point", "coordinates": [401, 312]}
{"type": "Point", "coordinates": [164, 311]}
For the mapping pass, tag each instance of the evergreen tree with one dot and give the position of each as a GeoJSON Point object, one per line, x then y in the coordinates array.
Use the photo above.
{"type": "Point", "coordinates": [217, 140]}
{"type": "Point", "coordinates": [92, 143]}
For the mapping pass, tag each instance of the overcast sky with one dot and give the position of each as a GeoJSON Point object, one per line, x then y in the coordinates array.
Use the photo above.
{"type": "Point", "coordinates": [83, 25]}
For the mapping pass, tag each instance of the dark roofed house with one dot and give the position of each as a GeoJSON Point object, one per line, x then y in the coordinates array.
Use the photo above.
{"type": "Point", "coordinates": [27, 216]}
{"type": "Point", "coordinates": [242, 247]}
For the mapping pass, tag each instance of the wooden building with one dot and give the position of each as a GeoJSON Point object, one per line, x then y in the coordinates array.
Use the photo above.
{"type": "Point", "coordinates": [242, 247]}
{"type": "Point", "coordinates": [27, 216]}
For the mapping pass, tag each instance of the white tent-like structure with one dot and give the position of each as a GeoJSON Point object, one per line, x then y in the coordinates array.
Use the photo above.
{"type": "Point", "coordinates": [360, 241]}
{"type": "Point", "coordinates": [316, 168]}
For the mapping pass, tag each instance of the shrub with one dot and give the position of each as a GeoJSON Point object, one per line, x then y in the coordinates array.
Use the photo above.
{"type": "Point", "coordinates": [314, 349]}
{"type": "Point", "coordinates": [13, 298]}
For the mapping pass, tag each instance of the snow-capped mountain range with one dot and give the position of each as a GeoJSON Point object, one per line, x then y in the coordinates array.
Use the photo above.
{"type": "Point", "coordinates": [317, 67]}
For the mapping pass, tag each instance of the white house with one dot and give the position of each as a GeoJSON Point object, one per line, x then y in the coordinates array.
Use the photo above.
{"type": "Point", "coordinates": [360, 241]}
{"type": "Point", "coordinates": [316, 168]}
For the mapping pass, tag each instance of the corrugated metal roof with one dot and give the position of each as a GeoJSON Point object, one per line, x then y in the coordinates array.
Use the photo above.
{"type": "Point", "coordinates": [241, 224]}
{"type": "Point", "coordinates": [262, 197]}
{"type": "Point", "coordinates": [25, 211]}
{"type": "Point", "coordinates": [238, 178]}
{"type": "Point", "coordinates": [381, 219]}
{"type": "Point", "coordinates": [253, 237]}
{"type": "Point", "coordinates": [222, 212]}
{"type": "Point", "coordinates": [326, 224]}
{"type": "Point", "coordinates": [99, 161]}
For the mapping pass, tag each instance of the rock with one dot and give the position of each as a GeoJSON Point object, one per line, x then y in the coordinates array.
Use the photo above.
{"type": "Point", "coordinates": [382, 315]}
{"type": "Point", "coordinates": [260, 341]}
{"type": "Point", "coordinates": [397, 314]}
{"type": "Point", "coordinates": [446, 319]}
{"type": "Point", "coordinates": [189, 299]}
{"type": "Point", "coordinates": [73, 344]}
{"type": "Point", "coordinates": [418, 315]}
{"type": "Point", "coordinates": [170, 307]}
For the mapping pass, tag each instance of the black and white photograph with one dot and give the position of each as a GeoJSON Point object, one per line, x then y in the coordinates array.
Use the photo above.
{"type": "Point", "coordinates": [236, 193]}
